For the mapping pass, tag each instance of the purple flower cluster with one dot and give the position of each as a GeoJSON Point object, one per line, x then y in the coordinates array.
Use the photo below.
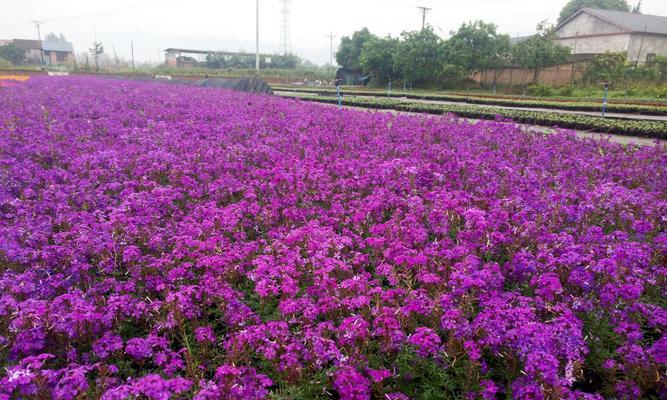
{"type": "Point", "coordinates": [163, 241]}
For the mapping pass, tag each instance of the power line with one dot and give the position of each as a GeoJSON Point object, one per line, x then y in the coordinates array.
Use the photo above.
{"type": "Point", "coordinates": [285, 32]}
{"type": "Point", "coordinates": [39, 37]}
{"type": "Point", "coordinates": [38, 24]}
{"type": "Point", "coordinates": [396, 3]}
{"type": "Point", "coordinates": [331, 37]}
{"type": "Point", "coordinates": [257, 35]}
{"type": "Point", "coordinates": [424, 10]}
{"type": "Point", "coordinates": [108, 12]}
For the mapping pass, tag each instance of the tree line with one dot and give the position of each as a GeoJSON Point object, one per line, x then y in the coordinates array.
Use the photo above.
{"type": "Point", "coordinates": [425, 59]}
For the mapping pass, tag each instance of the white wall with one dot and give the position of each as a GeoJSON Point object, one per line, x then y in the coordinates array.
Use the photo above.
{"type": "Point", "coordinates": [597, 44]}
{"type": "Point", "coordinates": [652, 44]}
{"type": "Point", "coordinates": [586, 24]}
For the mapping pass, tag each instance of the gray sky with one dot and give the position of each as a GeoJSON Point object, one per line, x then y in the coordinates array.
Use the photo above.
{"type": "Point", "coordinates": [230, 25]}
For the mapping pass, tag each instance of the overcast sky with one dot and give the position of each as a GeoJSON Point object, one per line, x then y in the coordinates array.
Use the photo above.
{"type": "Point", "coordinates": [154, 25]}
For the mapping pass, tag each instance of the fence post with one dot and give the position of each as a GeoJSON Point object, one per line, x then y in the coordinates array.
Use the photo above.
{"type": "Point", "coordinates": [340, 102]}
{"type": "Point", "coordinates": [604, 98]}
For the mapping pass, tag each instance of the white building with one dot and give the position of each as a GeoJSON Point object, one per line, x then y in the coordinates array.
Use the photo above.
{"type": "Point", "coordinates": [590, 32]}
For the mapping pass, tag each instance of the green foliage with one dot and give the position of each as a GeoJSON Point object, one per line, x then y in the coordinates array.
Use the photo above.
{"type": "Point", "coordinates": [349, 50]}
{"type": "Point", "coordinates": [640, 73]}
{"type": "Point", "coordinates": [377, 58]}
{"type": "Point", "coordinates": [453, 74]}
{"type": "Point", "coordinates": [659, 65]}
{"type": "Point", "coordinates": [425, 379]}
{"type": "Point", "coordinates": [419, 57]}
{"type": "Point", "coordinates": [96, 51]}
{"type": "Point", "coordinates": [12, 54]}
{"type": "Point", "coordinates": [602, 344]}
{"type": "Point", "coordinates": [306, 390]}
{"type": "Point", "coordinates": [633, 99]}
{"type": "Point", "coordinates": [566, 91]}
{"type": "Point", "coordinates": [540, 50]}
{"type": "Point", "coordinates": [540, 90]}
{"type": "Point", "coordinates": [477, 46]}
{"type": "Point", "coordinates": [425, 60]}
{"type": "Point", "coordinates": [573, 6]}
{"type": "Point", "coordinates": [4, 63]}
{"type": "Point", "coordinates": [608, 67]}
{"type": "Point", "coordinates": [219, 60]}
{"type": "Point", "coordinates": [615, 68]}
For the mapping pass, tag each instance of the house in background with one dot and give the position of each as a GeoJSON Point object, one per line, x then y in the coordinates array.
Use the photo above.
{"type": "Point", "coordinates": [58, 53]}
{"type": "Point", "coordinates": [32, 48]}
{"type": "Point", "coordinates": [43, 52]}
{"type": "Point", "coordinates": [590, 32]}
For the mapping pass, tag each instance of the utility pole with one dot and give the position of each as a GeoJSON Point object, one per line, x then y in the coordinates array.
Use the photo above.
{"type": "Point", "coordinates": [331, 37]}
{"type": "Point", "coordinates": [115, 56]}
{"type": "Point", "coordinates": [641, 47]}
{"type": "Point", "coordinates": [424, 10]}
{"type": "Point", "coordinates": [39, 37]}
{"type": "Point", "coordinates": [574, 64]}
{"type": "Point", "coordinates": [285, 31]}
{"type": "Point", "coordinates": [257, 36]}
{"type": "Point", "coordinates": [132, 49]}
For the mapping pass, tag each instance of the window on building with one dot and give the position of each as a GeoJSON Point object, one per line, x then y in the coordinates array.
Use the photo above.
{"type": "Point", "coordinates": [650, 57]}
{"type": "Point", "coordinates": [60, 56]}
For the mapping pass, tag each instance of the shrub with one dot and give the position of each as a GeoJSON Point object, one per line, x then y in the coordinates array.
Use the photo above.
{"type": "Point", "coordinates": [566, 91]}
{"type": "Point", "coordinates": [541, 90]}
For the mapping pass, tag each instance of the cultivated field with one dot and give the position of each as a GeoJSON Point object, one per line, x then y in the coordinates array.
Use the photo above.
{"type": "Point", "coordinates": [639, 120]}
{"type": "Point", "coordinates": [162, 241]}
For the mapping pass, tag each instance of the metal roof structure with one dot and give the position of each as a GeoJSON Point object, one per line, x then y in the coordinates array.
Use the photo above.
{"type": "Point", "coordinates": [631, 22]}
{"type": "Point", "coordinates": [27, 44]}
{"type": "Point", "coordinates": [192, 51]}
{"type": "Point", "coordinates": [58, 46]}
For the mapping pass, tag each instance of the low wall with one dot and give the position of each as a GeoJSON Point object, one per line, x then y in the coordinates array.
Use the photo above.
{"type": "Point", "coordinates": [557, 75]}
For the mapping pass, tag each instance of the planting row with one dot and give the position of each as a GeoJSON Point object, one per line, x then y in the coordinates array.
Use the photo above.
{"type": "Point", "coordinates": [500, 101]}
{"type": "Point", "coordinates": [650, 129]}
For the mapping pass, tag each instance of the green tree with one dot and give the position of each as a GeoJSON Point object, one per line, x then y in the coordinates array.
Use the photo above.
{"type": "Point", "coordinates": [285, 61]}
{"type": "Point", "coordinates": [419, 57]}
{"type": "Point", "coordinates": [12, 54]}
{"type": "Point", "coordinates": [377, 58]}
{"type": "Point", "coordinates": [52, 37]}
{"type": "Point", "coordinates": [96, 51]}
{"type": "Point", "coordinates": [477, 46]}
{"type": "Point", "coordinates": [349, 49]}
{"type": "Point", "coordinates": [660, 65]}
{"type": "Point", "coordinates": [540, 50]}
{"type": "Point", "coordinates": [573, 6]}
{"type": "Point", "coordinates": [610, 67]}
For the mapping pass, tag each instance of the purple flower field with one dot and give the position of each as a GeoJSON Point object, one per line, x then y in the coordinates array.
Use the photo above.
{"type": "Point", "coordinates": [168, 242]}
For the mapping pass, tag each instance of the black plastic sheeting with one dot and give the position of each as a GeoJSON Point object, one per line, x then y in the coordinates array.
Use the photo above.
{"type": "Point", "coordinates": [248, 85]}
